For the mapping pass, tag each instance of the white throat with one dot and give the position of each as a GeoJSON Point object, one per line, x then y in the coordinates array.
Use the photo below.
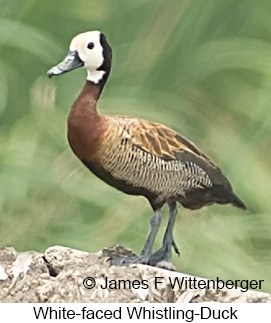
{"type": "Point", "coordinates": [95, 76]}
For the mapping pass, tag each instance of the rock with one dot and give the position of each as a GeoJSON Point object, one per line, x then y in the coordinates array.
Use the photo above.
{"type": "Point", "coordinates": [60, 274]}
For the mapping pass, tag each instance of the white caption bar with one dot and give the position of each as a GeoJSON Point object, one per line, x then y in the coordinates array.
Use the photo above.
{"type": "Point", "coordinates": [104, 312]}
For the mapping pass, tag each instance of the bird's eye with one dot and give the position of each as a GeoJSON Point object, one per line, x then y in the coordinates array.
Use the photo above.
{"type": "Point", "coordinates": [90, 45]}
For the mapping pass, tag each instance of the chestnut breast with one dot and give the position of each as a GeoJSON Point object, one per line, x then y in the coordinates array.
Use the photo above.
{"type": "Point", "coordinates": [85, 128]}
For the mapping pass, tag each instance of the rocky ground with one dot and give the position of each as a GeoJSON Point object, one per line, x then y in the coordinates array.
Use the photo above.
{"type": "Point", "coordinates": [60, 274]}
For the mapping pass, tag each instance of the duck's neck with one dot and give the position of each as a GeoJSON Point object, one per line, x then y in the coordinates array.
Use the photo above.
{"type": "Point", "coordinates": [86, 102]}
{"type": "Point", "coordinates": [85, 125]}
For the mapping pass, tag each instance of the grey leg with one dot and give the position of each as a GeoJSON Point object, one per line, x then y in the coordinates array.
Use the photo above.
{"type": "Point", "coordinates": [154, 224]}
{"type": "Point", "coordinates": [164, 253]}
{"type": "Point", "coordinates": [145, 253]}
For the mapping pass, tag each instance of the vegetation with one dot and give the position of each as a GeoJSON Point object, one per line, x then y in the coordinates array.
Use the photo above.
{"type": "Point", "coordinates": [200, 67]}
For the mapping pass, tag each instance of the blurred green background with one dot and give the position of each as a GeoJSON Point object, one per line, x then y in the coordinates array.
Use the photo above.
{"type": "Point", "coordinates": [200, 67]}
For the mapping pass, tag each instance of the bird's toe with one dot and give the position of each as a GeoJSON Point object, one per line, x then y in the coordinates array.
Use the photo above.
{"type": "Point", "coordinates": [126, 261]}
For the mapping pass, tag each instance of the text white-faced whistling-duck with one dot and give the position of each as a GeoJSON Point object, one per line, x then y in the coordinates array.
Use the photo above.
{"type": "Point", "coordinates": [136, 156]}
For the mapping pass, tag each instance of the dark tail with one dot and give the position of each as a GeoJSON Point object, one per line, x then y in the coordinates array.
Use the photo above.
{"type": "Point", "coordinates": [198, 198]}
{"type": "Point", "coordinates": [234, 200]}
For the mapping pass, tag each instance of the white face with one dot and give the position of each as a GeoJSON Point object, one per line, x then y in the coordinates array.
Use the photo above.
{"type": "Point", "coordinates": [90, 52]}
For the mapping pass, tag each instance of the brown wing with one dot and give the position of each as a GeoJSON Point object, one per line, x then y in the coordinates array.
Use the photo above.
{"type": "Point", "coordinates": [162, 141]}
{"type": "Point", "coordinates": [146, 158]}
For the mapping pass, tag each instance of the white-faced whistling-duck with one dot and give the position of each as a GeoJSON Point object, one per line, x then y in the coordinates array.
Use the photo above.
{"type": "Point", "coordinates": [136, 156]}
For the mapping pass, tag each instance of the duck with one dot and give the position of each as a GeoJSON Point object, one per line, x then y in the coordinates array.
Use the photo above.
{"type": "Point", "coordinates": [137, 156]}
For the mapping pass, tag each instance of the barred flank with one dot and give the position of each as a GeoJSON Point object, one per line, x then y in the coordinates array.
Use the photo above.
{"type": "Point", "coordinates": [125, 161]}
